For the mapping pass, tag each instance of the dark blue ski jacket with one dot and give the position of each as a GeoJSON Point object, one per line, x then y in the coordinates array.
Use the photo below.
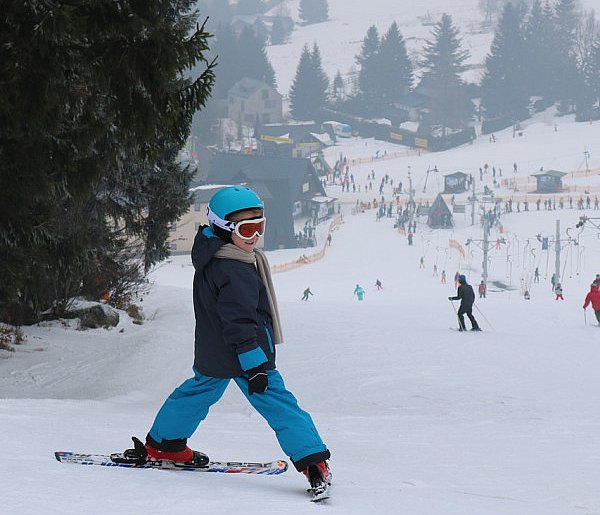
{"type": "Point", "coordinates": [466, 295]}
{"type": "Point", "coordinates": [233, 317]}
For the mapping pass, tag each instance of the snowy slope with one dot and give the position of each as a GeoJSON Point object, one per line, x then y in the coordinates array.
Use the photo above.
{"type": "Point", "coordinates": [420, 419]}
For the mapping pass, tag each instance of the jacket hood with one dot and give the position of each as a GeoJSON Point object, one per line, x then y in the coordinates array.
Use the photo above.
{"type": "Point", "coordinates": [206, 244]}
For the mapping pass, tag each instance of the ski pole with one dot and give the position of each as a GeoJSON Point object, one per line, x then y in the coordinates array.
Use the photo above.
{"type": "Point", "coordinates": [584, 317]}
{"type": "Point", "coordinates": [484, 317]}
{"type": "Point", "coordinates": [456, 313]}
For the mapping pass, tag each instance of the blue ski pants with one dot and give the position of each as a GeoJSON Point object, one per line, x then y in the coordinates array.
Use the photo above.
{"type": "Point", "coordinates": [188, 406]}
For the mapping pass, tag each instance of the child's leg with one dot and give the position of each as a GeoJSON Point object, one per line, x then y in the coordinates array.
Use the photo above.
{"type": "Point", "coordinates": [186, 407]}
{"type": "Point", "coordinates": [294, 428]}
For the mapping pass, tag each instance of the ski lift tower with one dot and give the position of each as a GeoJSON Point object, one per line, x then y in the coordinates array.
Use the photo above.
{"type": "Point", "coordinates": [484, 244]}
{"type": "Point", "coordinates": [558, 245]}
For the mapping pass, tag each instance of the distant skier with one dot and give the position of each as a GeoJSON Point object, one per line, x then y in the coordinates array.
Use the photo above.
{"type": "Point", "coordinates": [435, 271]}
{"type": "Point", "coordinates": [526, 295]}
{"type": "Point", "coordinates": [559, 292]}
{"type": "Point", "coordinates": [306, 293]}
{"type": "Point", "coordinates": [378, 284]}
{"type": "Point", "coordinates": [553, 281]}
{"type": "Point", "coordinates": [359, 292]}
{"type": "Point", "coordinates": [594, 297]}
{"type": "Point", "coordinates": [443, 279]}
{"type": "Point", "coordinates": [482, 290]}
{"type": "Point", "coordinates": [466, 295]}
{"type": "Point", "coordinates": [410, 237]}
{"type": "Point", "coordinates": [536, 275]}
{"type": "Point", "coordinates": [421, 263]}
{"type": "Point", "coordinates": [329, 239]}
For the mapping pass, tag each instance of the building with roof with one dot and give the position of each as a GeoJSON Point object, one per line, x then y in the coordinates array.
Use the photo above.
{"type": "Point", "coordinates": [439, 215]}
{"type": "Point", "coordinates": [455, 182]}
{"type": "Point", "coordinates": [251, 102]}
{"type": "Point", "coordinates": [289, 187]}
{"type": "Point", "coordinates": [292, 140]}
{"type": "Point", "coordinates": [549, 182]}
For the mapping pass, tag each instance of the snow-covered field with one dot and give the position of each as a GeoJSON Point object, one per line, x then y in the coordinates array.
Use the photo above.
{"type": "Point", "coordinates": [420, 419]}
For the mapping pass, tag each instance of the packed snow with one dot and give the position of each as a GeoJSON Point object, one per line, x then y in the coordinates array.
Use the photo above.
{"type": "Point", "coordinates": [419, 418]}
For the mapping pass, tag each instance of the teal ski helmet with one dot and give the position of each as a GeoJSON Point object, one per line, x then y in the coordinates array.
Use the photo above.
{"type": "Point", "coordinates": [229, 200]}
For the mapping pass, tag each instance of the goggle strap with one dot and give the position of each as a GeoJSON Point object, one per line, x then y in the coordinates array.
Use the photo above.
{"type": "Point", "coordinates": [215, 219]}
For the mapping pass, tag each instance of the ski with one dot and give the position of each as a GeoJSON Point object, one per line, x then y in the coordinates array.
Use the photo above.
{"type": "Point", "coordinates": [228, 467]}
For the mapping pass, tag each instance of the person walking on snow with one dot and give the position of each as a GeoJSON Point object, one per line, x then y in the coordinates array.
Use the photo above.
{"type": "Point", "coordinates": [466, 295]}
{"type": "Point", "coordinates": [378, 284]}
{"type": "Point", "coordinates": [559, 292]}
{"type": "Point", "coordinates": [536, 275]}
{"type": "Point", "coordinates": [306, 293]}
{"type": "Point", "coordinates": [359, 292]}
{"type": "Point", "coordinates": [593, 296]}
{"type": "Point", "coordinates": [237, 325]}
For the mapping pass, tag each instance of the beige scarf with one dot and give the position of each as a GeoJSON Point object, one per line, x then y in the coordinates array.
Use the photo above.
{"type": "Point", "coordinates": [259, 259]}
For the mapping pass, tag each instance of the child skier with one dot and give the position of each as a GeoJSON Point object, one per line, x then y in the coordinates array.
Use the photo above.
{"type": "Point", "coordinates": [482, 290]}
{"type": "Point", "coordinates": [559, 292]}
{"type": "Point", "coordinates": [237, 325]}
{"type": "Point", "coordinates": [359, 292]}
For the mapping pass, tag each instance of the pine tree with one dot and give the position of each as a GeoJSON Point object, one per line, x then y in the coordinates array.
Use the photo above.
{"type": "Point", "coordinates": [308, 94]}
{"type": "Point", "coordinates": [503, 87]}
{"type": "Point", "coordinates": [588, 61]}
{"type": "Point", "coordinates": [395, 69]}
{"type": "Point", "coordinates": [239, 57]}
{"type": "Point", "coordinates": [313, 11]}
{"type": "Point", "coordinates": [252, 57]}
{"type": "Point", "coordinates": [338, 86]}
{"type": "Point", "coordinates": [101, 104]}
{"type": "Point", "coordinates": [278, 33]}
{"type": "Point", "coordinates": [245, 7]}
{"type": "Point", "coordinates": [566, 21]}
{"type": "Point", "coordinates": [369, 65]}
{"type": "Point", "coordinates": [538, 56]}
{"type": "Point", "coordinates": [443, 63]}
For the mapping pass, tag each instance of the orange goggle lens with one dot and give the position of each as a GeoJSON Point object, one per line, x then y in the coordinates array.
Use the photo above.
{"type": "Point", "coordinates": [247, 229]}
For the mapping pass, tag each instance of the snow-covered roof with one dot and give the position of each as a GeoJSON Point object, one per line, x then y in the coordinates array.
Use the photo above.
{"type": "Point", "coordinates": [323, 138]}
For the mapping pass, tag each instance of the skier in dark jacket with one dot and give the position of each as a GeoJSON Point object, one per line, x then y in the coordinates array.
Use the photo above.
{"type": "Point", "coordinates": [237, 325]}
{"type": "Point", "coordinates": [466, 295]}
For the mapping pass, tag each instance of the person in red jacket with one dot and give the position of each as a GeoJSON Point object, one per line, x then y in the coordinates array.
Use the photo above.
{"type": "Point", "coordinates": [482, 290]}
{"type": "Point", "coordinates": [594, 297]}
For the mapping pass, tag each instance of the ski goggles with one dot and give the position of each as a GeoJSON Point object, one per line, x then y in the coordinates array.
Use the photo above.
{"type": "Point", "coordinates": [247, 229]}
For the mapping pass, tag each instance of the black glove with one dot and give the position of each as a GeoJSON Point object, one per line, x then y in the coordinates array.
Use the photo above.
{"type": "Point", "coordinates": [450, 298]}
{"type": "Point", "coordinates": [258, 380]}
